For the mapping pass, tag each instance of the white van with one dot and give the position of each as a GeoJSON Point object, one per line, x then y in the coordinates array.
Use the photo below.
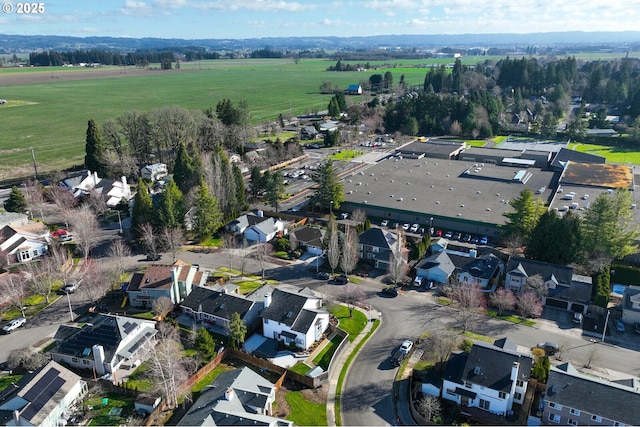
{"type": "Point", "coordinates": [418, 281]}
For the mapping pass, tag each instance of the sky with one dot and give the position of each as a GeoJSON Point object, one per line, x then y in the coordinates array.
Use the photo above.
{"type": "Point", "coordinates": [238, 19]}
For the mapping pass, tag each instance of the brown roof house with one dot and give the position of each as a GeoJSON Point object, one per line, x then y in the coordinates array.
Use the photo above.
{"type": "Point", "coordinates": [172, 281]}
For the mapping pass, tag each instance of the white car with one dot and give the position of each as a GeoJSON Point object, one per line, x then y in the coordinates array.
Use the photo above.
{"type": "Point", "coordinates": [13, 325]}
{"type": "Point", "coordinates": [418, 281]}
{"type": "Point", "coordinates": [384, 223]}
{"type": "Point", "coordinates": [405, 227]}
{"type": "Point", "coordinates": [414, 228]}
{"type": "Point", "coordinates": [406, 346]}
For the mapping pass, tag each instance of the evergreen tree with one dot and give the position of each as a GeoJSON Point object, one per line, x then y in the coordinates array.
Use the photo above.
{"type": "Point", "coordinates": [205, 344]}
{"type": "Point", "coordinates": [527, 209]}
{"type": "Point", "coordinates": [275, 188]}
{"type": "Point", "coordinates": [342, 102]}
{"type": "Point", "coordinates": [256, 184]}
{"type": "Point", "coordinates": [329, 189]}
{"type": "Point", "coordinates": [241, 191]}
{"type": "Point", "coordinates": [16, 202]}
{"type": "Point", "coordinates": [208, 218]}
{"type": "Point", "coordinates": [334, 109]}
{"type": "Point", "coordinates": [95, 158]}
{"type": "Point", "coordinates": [142, 211]}
{"type": "Point", "coordinates": [237, 331]}
{"type": "Point", "coordinates": [187, 170]}
{"type": "Point", "coordinates": [171, 209]}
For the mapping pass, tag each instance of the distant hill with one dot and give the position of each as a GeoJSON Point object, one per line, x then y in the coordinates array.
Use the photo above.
{"type": "Point", "coordinates": [620, 40]}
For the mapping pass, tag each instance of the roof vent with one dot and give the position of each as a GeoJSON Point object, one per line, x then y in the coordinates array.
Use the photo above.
{"type": "Point", "coordinates": [391, 195]}
{"type": "Point", "coordinates": [462, 206]}
{"type": "Point", "coordinates": [450, 188]}
{"type": "Point", "coordinates": [408, 183]}
{"type": "Point", "coordinates": [479, 192]}
{"type": "Point", "coordinates": [365, 202]}
{"type": "Point", "coordinates": [476, 370]}
{"type": "Point", "coordinates": [368, 192]}
{"type": "Point", "coordinates": [459, 214]}
{"type": "Point", "coordinates": [400, 199]}
{"type": "Point", "coordinates": [437, 202]}
{"type": "Point", "coordinates": [416, 199]}
{"type": "Point", "coordinates": [431, 185]}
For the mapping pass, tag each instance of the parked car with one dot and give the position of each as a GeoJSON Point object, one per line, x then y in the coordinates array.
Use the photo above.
{"type": "Point", "coordinates": [577, 318]}
{"type": "Point", "coordinates": [406, 346]}
{"type": "Point", "coordinates": [405, 226]}
{"type": "Point", "coordinates": [457, 236]}
{"type": "Point", "coordinates": [466, 238]}
{"type": "Point", "coordinates": [636, 328]}
{"type": "Point", "coordinates": [417, 281]}
{"type": "Point", "coordinates": [484, 240]}
{"type": "Point", "coordinates": [430, 284]}
{"type": "Point", "coordinates": [59, 233]}
{"type": "Point", "coordinates": [414, 228]}
{"type": "Point", "coordinates": [620, 326]}
{"type": "Point", "coordinates": [154, 257]}
{"type": "Point", "coordinates": [390, 291]}
{"type": "Point", "coordinates": [71, 287]}
{"type": "Point", "coordinates": [344, 215]}
{"type": "Point", "coordinates": [13, 325]}
{"type": "Point", "coordinates": [549, 348]}
{"type": "Point", "coordinates": [397, 358]}
{"type": "Point", "coordinates": [384, 223]}
{"type": "Point", "coordinates": [475, 240]}
{"type": "Point", "coordinates": [323, 275]}
{"type": "Point", "coordinates": [438, 233]}
{"type": "Point", "coordinates": [448, 235]}
{"type": "Point", "coordinates": [341, 280]}
{"type": "Point", "coordinates": [395, 225]}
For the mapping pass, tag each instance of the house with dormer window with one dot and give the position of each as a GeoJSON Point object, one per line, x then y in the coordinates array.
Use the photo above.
{"type": "Point", "coordinates": [491, 377]}
{"type": "Point", "coordinates": [295, 318]}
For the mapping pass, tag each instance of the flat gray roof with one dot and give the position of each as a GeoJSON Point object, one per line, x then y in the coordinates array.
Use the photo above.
{"type": "Point", "coordinates": [446, 188]}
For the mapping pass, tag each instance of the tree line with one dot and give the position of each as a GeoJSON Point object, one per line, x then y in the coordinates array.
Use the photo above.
{"type": "Point", "coordinates": [55, 58]}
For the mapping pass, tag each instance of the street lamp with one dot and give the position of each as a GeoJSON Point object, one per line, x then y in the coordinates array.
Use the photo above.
{"type": "Point", "coordinates": [606, 321]}
{"type": "Point", "coordinates": [331, 208]}
{"type": "Point", "coordinates": [431, 226]}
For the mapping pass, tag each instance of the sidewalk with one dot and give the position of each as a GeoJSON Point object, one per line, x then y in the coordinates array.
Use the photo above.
{"type": "Point", "coordinates": [339, 364]}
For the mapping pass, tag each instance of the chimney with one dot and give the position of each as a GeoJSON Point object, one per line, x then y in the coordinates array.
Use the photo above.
{"type": "Point", "coordinates": [95, 179]}
{"type": "Point", "coordinates": [261, 213]}
{"type": "Point", "coordinates": [16, 417]}
{"type": "Point", "coordinates": [228, 394]}
{"type": "Point", "coordinates": [125, 188]}
{"type": "Point", "coordinates": [267, 300]}
{"type": "Point", "coordinates": [514, 371]}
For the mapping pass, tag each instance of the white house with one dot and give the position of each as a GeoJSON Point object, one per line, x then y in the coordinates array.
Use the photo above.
{"type": "Point", "coordinates": [83, 184]}
{"type": "Point", "coordinates": [154, 172]}
{"type": "Point", "coordinates": [483, 272]}
{"type": "Point", "coordinates": [43, 398]}
{"type": "Point", "coordinates": [294, 318]}
{"type": "Point", "coordinates": [105, 344]}
{"type": "Point", "coordinates": [491, 377]}
{"type": "Point", "coordinates": [265, 231]}
{"type": "Point", "coordinates": [23, 243]}
{"type": "Point", "coordinates": [238, 397]}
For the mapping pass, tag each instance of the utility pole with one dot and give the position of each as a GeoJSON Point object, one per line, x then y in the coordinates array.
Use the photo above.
{"type": "Point", "coordinates": [35, 166]}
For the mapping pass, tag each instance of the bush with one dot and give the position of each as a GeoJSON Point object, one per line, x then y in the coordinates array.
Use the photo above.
{"type": "Point", "coordinates": [466, 345]}
{"type": "Point", "coordinates": [281, 245]}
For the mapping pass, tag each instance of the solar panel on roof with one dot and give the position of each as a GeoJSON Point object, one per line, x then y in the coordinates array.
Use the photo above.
{"type": "Point", "coordinates": [42, 398]}
{"type": "Point", "coordinates": [128, 327]}
{"type": "Point", "coordinates": [41, 384]}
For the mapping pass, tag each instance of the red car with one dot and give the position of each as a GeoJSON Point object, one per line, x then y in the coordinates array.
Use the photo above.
{"type": "Point", "coordinates": [59, 233]}
{"type": "Point", "coordinates": [438, 233]}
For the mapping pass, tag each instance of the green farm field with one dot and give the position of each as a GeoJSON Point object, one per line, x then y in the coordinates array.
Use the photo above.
{"type": "Point", "coordinates": [49, 108]}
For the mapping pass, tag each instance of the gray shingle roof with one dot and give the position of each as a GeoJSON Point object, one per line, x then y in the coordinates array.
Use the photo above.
{"type": "Point", "coordinates": [308, 235]}
{"type": "Point", "coordinates": [439, 260]}
{"type": "Point", "coordinates": [566, 386]}
{"type": "Point", "coordinates": [217, 303]}
{"type": "Point", "coordinates": [529, 267]}
{"type": "Point", "coordinates": [483, 267]}
{"type": "Point", "coordinates": [377, 237]}
{"type": "Point", "coordinates": [288, 309]}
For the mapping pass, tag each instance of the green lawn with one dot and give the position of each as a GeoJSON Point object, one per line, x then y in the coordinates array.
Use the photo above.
{"type": "Point", "coordinates": [304, 412]}
{"type": "Point", "coordinates": [138, 379]}
{"type": "Point", "coordinates": [613, 153]}
{"type": "Point", "coordinates": [476, 142]}
{"type": "Point", "coordinates": [247, 286]}
{"type": "Point", "coordinates": [6, 380]}
{"type": "Point", "coordinates": [346, 154]}
{"type": "Point", "coordinates": [102, 417]}
{"type": "Point", "coordinates": [324, 357]}
{"type": "Point", "coordinates": [510, 318]}
{"type": "Point", "coordinates": [300, 368]}
{"type": "Point", "coordinates": [352, 325]}
{"type": "Point", "coordinates": [208, 379]}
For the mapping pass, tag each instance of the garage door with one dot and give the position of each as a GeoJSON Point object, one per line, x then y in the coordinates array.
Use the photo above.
{"type": "Point", "coordinates": [556, 303]}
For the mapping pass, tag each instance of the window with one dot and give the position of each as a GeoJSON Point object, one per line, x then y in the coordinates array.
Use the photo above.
{"type": "Point", "coordinates": [517, 396]}
{"type": "Point", "coordinates": [266, 321]}
{"type": "Point", "coordinates": [554, 418]}
{"type": "Point", "coordinates": [574, 411]}
{"type": "Point", "coordinates": [573, 422]}
{"type": "Point", "coordinates": [555, 405]}
{"type": "Point", "coordinates": [596, 418]}
{"type": "Point", "coordinates": [74, 359]}
{"type": "Point", "coordinates": [451, 392]}
{"type": "Point", "coordinates": [484, 404]}
{"type": "Point", "coordinates": [468, 384]}
{"type": "Point", "coordinates": [85, 362]}
{"type": "Point", "coordinates": [520, 383]}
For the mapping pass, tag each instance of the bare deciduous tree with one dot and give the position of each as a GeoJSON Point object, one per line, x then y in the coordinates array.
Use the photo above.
{"type": "Point", "coordinates": [398, 260]}
{"type": "Point", "coordinates": [350, 251]}
{"type": "Point", "coordinates": [118, 254]}
{"type": "Point", "coordinates": [41, 276]}
{"type": "Point", "coordinates": [333, 246]}
{"type": "Point", "coordinates": [28, 358]}
{"type": "Point", "coordinates": [529, 305]}
{"type": "Point", "coordinates": [15, 291]}
{"type": "Point", "coordinates": [60, 256]}
{"type": "Point", "coordinates": [63, 202]}
{"type": "Point", "coordinates": [261, 253]}
{"type": "Point", "coordinates": [352, 295]}
{"type": "Point", "coordinates": [592, 356]}
{"type": "Point", "coordinates": [96, 281]}
{"type": "Point", "coordinates": [502, 299]}
{"type": "Point", "coordinates": [441, 344]}
{"type": "Point", "coordinates": [469, 301]}
{"type": "Point", "coordinates": [97, 202]}
{"type": "Point", "coordinates": [514, 244]}
{"type": "Point", "coordinates": [359, 216]}
{"type": "Point", "coordinates": [536, 285]}
{"type": "Point", "coordinates": [429, 406]}
{"type": "Point", "coordinates": [167, 369]}
{"type": "Point", "coordinates": [149, 238]}
{"type": "Point", "coordinates": [228, 242]}
{"type": "Point", "coordinates": [172, 240]}
{"type": "Point", "coordinates": [86, 229]}
{"type": "Point", "coordinates": [33, 193]}
{"type": "Point", "coordinates": [162, 306]}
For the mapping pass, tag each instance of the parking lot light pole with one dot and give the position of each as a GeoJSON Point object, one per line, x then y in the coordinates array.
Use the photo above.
{"type": "Point", "coordinates": [606, 321]}
{"type": "Point", "coordinates": [431, 226]}
{"type": "Point", "coordinates": [331, 208]}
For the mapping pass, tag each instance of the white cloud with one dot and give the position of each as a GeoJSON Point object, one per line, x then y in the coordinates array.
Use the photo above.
{"type": "Point", "coordinates": [239, 5]}
{"type": "Point", "coordinates": [136, 8]}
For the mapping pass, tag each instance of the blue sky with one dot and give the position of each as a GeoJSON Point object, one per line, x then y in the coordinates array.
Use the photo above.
{"type": "Point", "coordinates": [217, 19]}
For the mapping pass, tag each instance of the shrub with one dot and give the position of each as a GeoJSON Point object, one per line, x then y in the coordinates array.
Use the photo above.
{"type": "Point", "coordinates": [281, 245]}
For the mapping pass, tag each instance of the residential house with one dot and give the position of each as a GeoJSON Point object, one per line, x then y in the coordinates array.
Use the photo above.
{"type": "Point", "coordinates": [114, 192]}
{"type": "Point", "coordinates": [573, 398]}
{"type": "Point", "coordinates": [376, 246]}
{"type": "Point", "coordinates": [241, 223]}
{"type": "Point", "coordinates": [328, 126]}
{"type": "Point", "coordinates": [437, 267]}
{"type": "Point", "coordinates": [105, 344]}
{"type": "Point", "coordinates": [238, 397]}
{"type": "Point", "coordinates": [265, 231]}
{"type": "Point", "coordinates": [491, 377]}
{"type": "Point", "coordinates": [483, 272]}
{"type": "Point", "coordinates": [44, 397]}
{"type": "Point", "coordinates": [309, 132]}
{"type": "Point", "coordinates": [154, 172]}
{"type": "Point", "coordinates": [294, 318]}
{"type": "Point", "coordinates": [308, 238]}
{"type": "Point", "coordinates": [172, 281]}
{"type": "Point", "coordinates": [566, 290]}
{"type": "Point", "coordinates": [23, 243]}
{"type": "Point", "coordinates": [215, 309]}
